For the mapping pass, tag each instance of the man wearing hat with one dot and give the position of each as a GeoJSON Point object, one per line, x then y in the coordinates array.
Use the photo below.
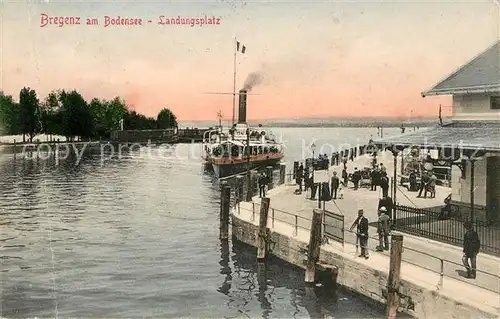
{"type": "Point", "coordinates": [361, 224]}
{"type": "Point", "coordinates": [383, 229]}
{"type": "Point", "coordinates": [335, 185]}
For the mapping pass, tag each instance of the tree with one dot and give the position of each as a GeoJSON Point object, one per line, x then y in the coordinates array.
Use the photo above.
{"type": "Point", "coordinates": [67, 113]}
{"type": "Point", "coordinates": [116, 110]}
{"type": "Point", "coordinates": [166, 119]}
{"type": "Point", "coordinates": [98, 109]}
{"type": "Point", "coordinates": [136, 121]}
{"type": "Point", "coordinates": [9, 115]}
{"type": "Point", "coordinates": [50, 115]}
{"type": "Point", "coordinates": [76, 116]}
{"type": "Point", "coordinates": [29, 113]}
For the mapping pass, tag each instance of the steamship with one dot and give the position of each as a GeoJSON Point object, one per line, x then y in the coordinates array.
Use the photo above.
{"type": "Point", "coordinates": [240, 148]}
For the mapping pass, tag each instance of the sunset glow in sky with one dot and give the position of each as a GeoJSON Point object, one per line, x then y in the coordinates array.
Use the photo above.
{"type": "Point", "coordinates": [319, 58]}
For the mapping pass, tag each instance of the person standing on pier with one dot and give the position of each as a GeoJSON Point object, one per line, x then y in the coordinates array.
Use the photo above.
{"type": "Point", "coordinates": [384, 184]}
{"type": "Point", "coordinates": [335, 185]}
{"type": "Point", "coordinates": [356, 177]}
{"type": "Point", "coordinates": [383, 229]}
{"type": "Point", "coordinates": [424, 184]}
{"type": "Point", "coordinates": [361, 233]}
{"type": "Point", "coordinates": [374, 176]}
{"type": "Point", "coordinates": [383, 170]}
{"type": "Point", "coordinates": [413, 181]}
{"type": "Point", "coordinates": [472, 245]}
{"type": "Point", "coordinates": [262, 184]}
{"type": "Point", "coordinates": [300, 176]}
{"type": "Point", "coordinates": [345, 176]}
{"type": "Point", "coordinates": [387, 203]}
{"type": "Point", "coordinates": [432, 185]}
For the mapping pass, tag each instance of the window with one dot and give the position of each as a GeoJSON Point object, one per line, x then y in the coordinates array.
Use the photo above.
{"type": "Point", "coordinates": [495, 102]}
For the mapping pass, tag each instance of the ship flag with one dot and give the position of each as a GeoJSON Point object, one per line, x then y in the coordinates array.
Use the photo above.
{"type": "Point", "coordinates": [240, 48]}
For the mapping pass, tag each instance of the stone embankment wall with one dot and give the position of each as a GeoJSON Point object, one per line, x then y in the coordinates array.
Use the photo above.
{"type": "Point", "coordinates": [356, 274]}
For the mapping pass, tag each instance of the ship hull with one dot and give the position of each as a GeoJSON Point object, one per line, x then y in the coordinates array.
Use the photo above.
{"type": "Point", "coordinates": [222, 170]}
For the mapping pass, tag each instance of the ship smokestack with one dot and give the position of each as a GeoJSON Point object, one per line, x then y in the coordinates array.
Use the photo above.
{"type": "Point", "coordinates": [242, 109]}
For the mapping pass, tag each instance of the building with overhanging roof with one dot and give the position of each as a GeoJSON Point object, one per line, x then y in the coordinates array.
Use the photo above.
{"type": "Point", "coordinates": [471, 138]}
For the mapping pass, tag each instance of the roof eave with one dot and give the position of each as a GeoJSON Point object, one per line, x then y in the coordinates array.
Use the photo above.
{"type": "Point", "coordinates": [388, 144]}
{"type": "Point", "coordinates": [471, 90]}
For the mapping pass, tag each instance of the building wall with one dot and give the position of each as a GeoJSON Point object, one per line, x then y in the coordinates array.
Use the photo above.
{"type": "Point", "coordinates": [474, 107]}
{"type": "Point", "coordinates": [461, 187]}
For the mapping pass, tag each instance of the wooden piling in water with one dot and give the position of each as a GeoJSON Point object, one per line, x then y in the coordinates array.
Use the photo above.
{"type": "Point", "coordinates": [239, 186]}
{"type": "Point", "coordinates": [251, 186]}
{"type": "Point", "coordinates": [270, 175]}
{"type": "Point", "coordinates": [225, 200]}
{"type": "Point", "coordinates": [394, 279]}
{"type": "Point", "coordinates": [314, 246]}
{"type": "Point", "coordinates": [262, 244]}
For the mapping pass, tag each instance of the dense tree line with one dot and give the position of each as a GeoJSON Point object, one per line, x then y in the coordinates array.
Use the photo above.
{"type": "Point", "coordinates": [67, 113]}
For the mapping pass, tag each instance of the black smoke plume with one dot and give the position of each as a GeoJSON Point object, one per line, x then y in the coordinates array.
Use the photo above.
{"type": "Point", "coordinates": [253, 79]}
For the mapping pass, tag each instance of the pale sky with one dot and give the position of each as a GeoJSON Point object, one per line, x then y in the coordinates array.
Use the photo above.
{"type": "Point", "coordinates": [320, 58]}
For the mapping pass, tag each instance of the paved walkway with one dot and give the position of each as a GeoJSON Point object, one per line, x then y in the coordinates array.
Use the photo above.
{"type": "Point", "coordinates": [289, 208]}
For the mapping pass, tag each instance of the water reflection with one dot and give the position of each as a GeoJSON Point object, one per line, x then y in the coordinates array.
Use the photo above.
{"type": "Point", "coordinates": [262, 290]}
{"type": "Point", "coordinates": [225, 268]}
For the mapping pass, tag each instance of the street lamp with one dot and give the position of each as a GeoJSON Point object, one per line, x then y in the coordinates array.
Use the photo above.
{"type": "Point", "coordinates": [313, 147]}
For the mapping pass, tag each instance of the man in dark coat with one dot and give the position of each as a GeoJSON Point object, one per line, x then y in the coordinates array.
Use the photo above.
{"type": "Point", "coordinates": [361, 233]}
{"type": "Point", "coordinates": [471, 249]}
{"type": "Point", "coordinates": [424, 181]}
{"type": "Point", "coordinates": [345, 176]}
{"type": "Point", "coordinates": [300, 176]}
{"type": "Point", "coordinates": [335, 185]}
{"type": "Point", "coordinates": [263, 181]}
{"type": "Point", "coordinates": [356, 177]}
{"type": "Point", "coordinates": [384, 184]}
{"type": "Point", "coordinates": [374, 176]}
{"type": "Point", "coordinates": [413, 181]}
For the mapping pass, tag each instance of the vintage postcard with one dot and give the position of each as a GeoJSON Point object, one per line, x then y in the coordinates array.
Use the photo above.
{"type": "Point", "coordinates": [249, 159]}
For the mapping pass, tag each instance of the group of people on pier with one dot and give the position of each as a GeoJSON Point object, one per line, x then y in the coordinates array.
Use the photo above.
{"type": "Point", "coordinates": [373, 177]}
{"type": "Point", "coordinates": [383, 229]}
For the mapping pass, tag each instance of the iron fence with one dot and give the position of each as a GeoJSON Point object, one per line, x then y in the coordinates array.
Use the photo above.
{"type": "Point", "coordinates": [430, 224]}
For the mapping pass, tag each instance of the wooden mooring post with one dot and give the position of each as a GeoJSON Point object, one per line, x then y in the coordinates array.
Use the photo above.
{"type": "Point", "coordinates": [394, 279]}
{"type": "Point", "coordinates": [225, 203]}
{"type": "Point", "coordinates": [262, 240]}
{"type": "Point", "coordinates": [269, 170]}
{"type": "Point", "coordinates": [282, 174]}
{"type": "Point", "coordinates": [314, 246]}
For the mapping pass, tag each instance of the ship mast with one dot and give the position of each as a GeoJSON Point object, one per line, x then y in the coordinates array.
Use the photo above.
{"type": "Point", "coordinates": [248, 181]}
{"type": "Point", "coordinates": [219, 118]}
{"type": "Point", "coordinates": [234, 78]}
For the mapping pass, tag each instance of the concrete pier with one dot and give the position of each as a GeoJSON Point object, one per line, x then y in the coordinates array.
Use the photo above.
{"type": "Point", "coordinates": [431, 281]}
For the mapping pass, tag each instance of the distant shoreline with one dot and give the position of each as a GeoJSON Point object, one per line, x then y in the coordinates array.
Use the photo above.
{"type": "Point", "coordinates": [349, 125]}
{"type": "Point", "coordinates": [322, 123]}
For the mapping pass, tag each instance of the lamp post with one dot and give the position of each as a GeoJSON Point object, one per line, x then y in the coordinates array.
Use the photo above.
{"type": "Point", "coordinates": [313, 147]}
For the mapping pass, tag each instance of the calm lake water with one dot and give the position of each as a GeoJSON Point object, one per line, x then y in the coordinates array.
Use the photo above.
{"type": "Point", "coordinates": [137, 236]}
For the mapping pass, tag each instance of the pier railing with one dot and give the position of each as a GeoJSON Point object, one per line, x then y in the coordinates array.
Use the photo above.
{"type": "Point", "coordinates": [448, 229]}
{"type": "Point", "coordinates": [334, 229]}
{"type": "Point", "coordinates": [444, 267]}
{"type": "Point", "coordinates": [279, 216]}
